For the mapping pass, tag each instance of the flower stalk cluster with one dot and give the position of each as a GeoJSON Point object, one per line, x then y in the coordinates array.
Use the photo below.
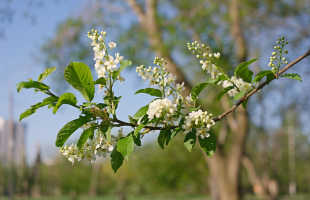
{"type": "Point", "coordinates": [206, 56]}
{"type": "Point", "coordinates": [277, 58]}
{"type": "Point", "coordinates": [236, 84]}
{"type": "Point", "coordinates": [161, 108]}
{"type": "Point", "coordinates": [200, 120]}
{"type": "Point", "coordinates": [97, 146]}
{"type": "Point", "coordinates": [105, 63]}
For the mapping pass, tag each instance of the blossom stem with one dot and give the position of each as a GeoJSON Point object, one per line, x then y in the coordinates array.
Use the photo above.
{"type": "Point", "coordinates": [259, 87]}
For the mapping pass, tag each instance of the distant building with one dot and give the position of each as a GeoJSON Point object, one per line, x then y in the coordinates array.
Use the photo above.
{"type": "Point", "coordinates": [12, 142]}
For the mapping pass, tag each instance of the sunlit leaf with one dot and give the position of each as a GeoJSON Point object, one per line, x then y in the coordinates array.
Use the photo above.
{"type": "Point", "coordinates": [79, 76]}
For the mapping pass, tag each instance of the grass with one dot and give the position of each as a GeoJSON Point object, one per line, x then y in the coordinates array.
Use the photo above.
{"type": "Point", "coordinates": [146, 197]}
{"type": "Point", "coordinates": [150, 197]}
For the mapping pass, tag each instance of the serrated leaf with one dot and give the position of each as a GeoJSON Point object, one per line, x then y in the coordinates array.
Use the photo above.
{"type": "Point", "coordinates": [141, 112]}
{"type": "Point", "coordinates": [223, 92]}
{"type": "Point", "coordinates": [79, 76]}
{"type": "Point", "coordinates": [116, 160]}
{"type": "Point", "coordinates": [190, 140]}
{"type": "Point", "coordinates": [198, 89]}
{"type": "Point", "coordinates": [100, 81]}
{"type": "Point", "coordinates": [242, 71]}
{"type": "Point", "coordinates": [150, 91]}
{"type": "Point", "coordinates": [84, 136]}
{"type": "Point", "coordinates": [33, 108]}
{"type": "Point", "coordinates": [47, 72]}
{"type": "Point", "coordinates": [266, 73]}
{"type": "Point", "coordinates": [208, 144]}
{"type": "Point", "coordinates": [164, 138]}
{"type": "Point", "coordinates": [125, 145]}
{"type": "Point", "coordinates": [292, 76]}
{"type": "Point", "coordinates": [66, 98]}
{"type": "Point", "coordinates": [32, 84]}
{"type": "Point", "coordinates": [67, 130]}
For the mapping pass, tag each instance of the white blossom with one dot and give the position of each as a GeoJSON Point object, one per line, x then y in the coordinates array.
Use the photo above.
{"type": "Point", "coordinates": [161, 107]}
{"type": "Point", "coordinates": [98, 146]}
{"type": "Point", "coordinates": [112, 45]}
{"type": "Point", "coordinates": [206, 56]}
{"type": "Point", "coordinates": [201, 120]}
{"type": "Point", "coordinates": [238, 85]}
{"type": "Point", "coordinates": [104, 62]}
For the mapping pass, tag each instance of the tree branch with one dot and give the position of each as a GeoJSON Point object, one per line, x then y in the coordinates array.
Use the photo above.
{"type": "Point", "coordinates": [259, 87]}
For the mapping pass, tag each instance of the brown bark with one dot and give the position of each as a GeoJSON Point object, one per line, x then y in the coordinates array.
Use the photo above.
{"type": "Point", "coordinates": [236, 30]}
{"type": "Point", "coordinates": [257, 184]}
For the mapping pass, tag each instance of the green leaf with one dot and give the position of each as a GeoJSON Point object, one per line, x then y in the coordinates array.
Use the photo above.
{"type": "Point", "coordinates": [198, 89]}
{"type": "Point", "coordinates": [33, 108]}
{"type": "Point", "coordinates": [164, 138]}
{"type": "Point", "coordinates": [84, 136]}
{"type": "Point", "coordinates": [66, 98]}
{"type": "Point", "coordinates": [190, 140]}
{"type": "Point", "coordinates": [150, 91]}
{"type": "Point", "coordinates": [125, 145]}
{"type": "Point", "coordinates": [124, 64]}
{"type": "Point", "coordinates": [47, 72]}
{"type": "Point", "coordinates": [223, 92]}
{"type": "Point", "coordinates": [79, 76]}
{"type": "Point", "coordinates": [141, 112]}
{"type": "Point", "coordinates": [239, 95]}
{"type": "Point", "coordinates": [32, 84]}
{"type": "Point", "coordinates": [101, 81]}
{"type": "Point", "coordinates": [242, 70]}
{"type": "Point", "coordinates": [69, 129]}
{"type": "Point", "coordinates": [292, 76]}
{"type": "Point", "coordinates": [137, 139]}
{"type": "Point", "coordinates": [116, 160]}
{"type": "Point", "coordinates": [208, 144]}
{"type": "Point", "coordinates": [138, 129]}
{"type": "Point", "coordinates": [266, 73]}
{"type": "Point", "coordinates": [219, 78]}
{"type": "Point", "coordinates": [137, 134]}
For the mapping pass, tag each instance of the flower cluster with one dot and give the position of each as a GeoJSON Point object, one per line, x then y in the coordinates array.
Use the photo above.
{"type": "Point", "coordinates": [104, 63]}
{"type": "Point", "coordinates": [160, 108]}
{"type": "Point", "coordinates": [200, 120]}
{"type": "Point", "coordinates": [236, 84]}
{"type": "Point", "coordinates": [277, 57]}
{"type": "Point", "coordinates": [206, 57]}
{"type": "Point", "coordinates": [156, 75]}
{"type": "Point", "coordinates": [97, 146]}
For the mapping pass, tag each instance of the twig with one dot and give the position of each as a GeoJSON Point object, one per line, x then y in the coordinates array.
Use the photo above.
{"type": "Point", "coordinates": [122, 123]}
{"type": "Point", "coordinates": [259, 87]}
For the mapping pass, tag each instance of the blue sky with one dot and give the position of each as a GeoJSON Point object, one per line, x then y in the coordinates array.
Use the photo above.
{"type": "Point", "coordinates": [18, 52]}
